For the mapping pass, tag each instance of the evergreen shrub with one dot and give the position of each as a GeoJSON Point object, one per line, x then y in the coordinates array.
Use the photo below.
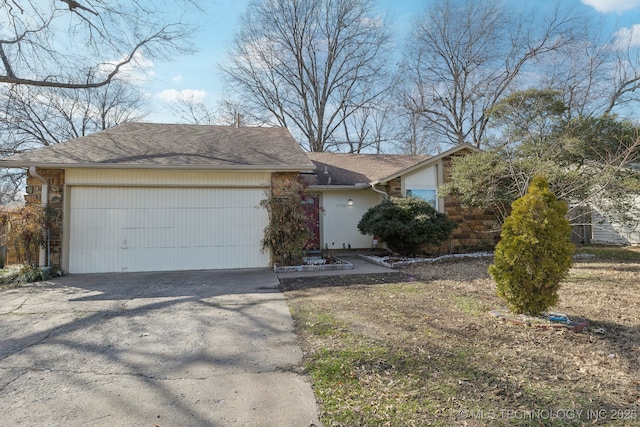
{"type": "Point", "coordinates": [406, 224]}
{"type": "Point", "coordinates": [535, 251]}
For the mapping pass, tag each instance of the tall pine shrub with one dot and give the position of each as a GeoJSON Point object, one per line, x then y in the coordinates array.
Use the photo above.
{"type": "Point", "coordinates": [535, 251]}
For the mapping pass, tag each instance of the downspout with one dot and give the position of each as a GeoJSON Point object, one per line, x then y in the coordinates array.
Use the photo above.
{"type": "Point", "coordinates": [44, 199]}
{"type": "Point", "coordinates": [373, 187]}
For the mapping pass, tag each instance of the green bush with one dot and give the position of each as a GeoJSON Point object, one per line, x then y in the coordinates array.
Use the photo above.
{"type": "Point", "coordinates": [535, 251]}
{"type": "Point", "coordinates": [406, 224]}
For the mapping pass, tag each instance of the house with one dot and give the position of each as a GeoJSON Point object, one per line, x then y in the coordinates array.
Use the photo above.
{"type": "Point", "coordinates": [344, 186]}
{"type": "Point", "coordinates": [142, 196]}
{"type": "Point", "coordinates": [154, 197]}
{"type": "Point", "coordinates": [607, 231]}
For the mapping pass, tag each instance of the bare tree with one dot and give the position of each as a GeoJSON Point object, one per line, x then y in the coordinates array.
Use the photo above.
{"type": "Point", "coordinates": [82, 44]}
{"type": "Point", "coordinates": [463, 57]}
{"type": "Point", "coordinates": [32, 117]}
{"type": "Point", "coordinates": [189, 109]}
{"type": "Point", "coordinates": [311, 64]}
{"type": "Point", "coordinates": [368, 129]}
{"type": "Point", "coordinates": [227, 112]}
{"type": "Point", "coordinates": [231, 112]}
{"type": "Point", "coordinates": [35, 116]}
{"type": "Point", "coordinates": [598, 73]}
{"type": "Point", "coordinates": [413, 136]}
{"type": "Point", "coordinates": [12, 182]}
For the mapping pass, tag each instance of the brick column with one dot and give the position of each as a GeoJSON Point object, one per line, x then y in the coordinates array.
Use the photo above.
{"type": "Point", "coordinates": [394, 187]}
{"type": "Point", "coordinates": [55, 180]}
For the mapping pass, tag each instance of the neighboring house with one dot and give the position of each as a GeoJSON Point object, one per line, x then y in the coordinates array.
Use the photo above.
{"type": "Point", "coordinates": [154, 197]}
{"type": "Point", "coordinates": [598, 222]}
{"type": "Point", "coordinates": [344, 186]}
{"type": "Point", "coordinates": [607, 232]}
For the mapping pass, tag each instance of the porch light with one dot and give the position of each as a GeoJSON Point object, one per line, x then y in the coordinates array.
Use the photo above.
{"type": "Point", "coordinates": [350, 202]}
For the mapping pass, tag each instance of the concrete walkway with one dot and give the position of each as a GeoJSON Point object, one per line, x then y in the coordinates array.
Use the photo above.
{"type": "Point", "coordinates": [210, 348]}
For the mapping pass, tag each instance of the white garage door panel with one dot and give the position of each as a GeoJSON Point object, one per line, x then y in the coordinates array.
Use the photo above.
{"type": "Point", "coordinates": [156, 229]}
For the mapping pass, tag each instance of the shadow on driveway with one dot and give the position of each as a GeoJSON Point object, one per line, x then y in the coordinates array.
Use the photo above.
{"type": "Point", "coordinates": [180, 348]}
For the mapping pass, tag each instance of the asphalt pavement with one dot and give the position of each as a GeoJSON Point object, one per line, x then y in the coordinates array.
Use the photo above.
{"type": "Point", "coordinates": [203, 348]}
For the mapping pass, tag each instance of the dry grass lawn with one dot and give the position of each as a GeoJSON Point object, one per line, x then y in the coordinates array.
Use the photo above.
{"type": "Point", "coordinates": [418, 348]}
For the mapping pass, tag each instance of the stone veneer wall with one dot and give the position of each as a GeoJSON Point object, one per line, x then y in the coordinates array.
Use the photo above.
{"type": "Point", "coordinates": [281, 180]}
{"type": "Point", "coordinates": [55, 179]}
{"type": "Point", "coordinates": [394, 187]}
{"type": "Point", "coordinates": [477, 229]}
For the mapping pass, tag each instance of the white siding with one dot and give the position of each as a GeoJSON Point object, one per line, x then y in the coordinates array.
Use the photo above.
{"type": "Point", "coordinates": [605, 232]}
{"type": "Point", "coordinates": [144, 177]}
{"type": "Point", "coordinates": [339, 222]}
{"type": "Point", "coordinates": [423, 178]}
{"type": "Point", "coordinates": [428, 178]}
{"type": "Point", "coordinates": [113, 229]}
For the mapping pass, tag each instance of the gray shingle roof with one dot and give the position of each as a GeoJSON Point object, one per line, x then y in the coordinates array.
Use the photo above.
{"type": "Point", "coordinates": [153, 145]}
{"type": "Point", "coordinates": [353, 169]}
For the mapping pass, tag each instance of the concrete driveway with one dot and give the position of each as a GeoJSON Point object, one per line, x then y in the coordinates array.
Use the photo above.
{"type": "Point", "coordinates": [203, 348]}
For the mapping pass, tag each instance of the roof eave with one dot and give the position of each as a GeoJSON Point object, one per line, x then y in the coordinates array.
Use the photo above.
{"type": "Point", "coordinates": [426, 162]}
{"type": "Point", "coordinates": [358, 186]}
{"type": "Point", "coordinates": [265, 168]}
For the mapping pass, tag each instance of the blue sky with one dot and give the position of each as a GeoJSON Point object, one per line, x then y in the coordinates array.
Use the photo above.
{"type": "Point", "coordinates": [197, 75]}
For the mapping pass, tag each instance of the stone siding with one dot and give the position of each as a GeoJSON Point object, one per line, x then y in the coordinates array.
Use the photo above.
{"type": "Point", "coordinates": [477, 230]}
{"type": "Point", "coordinates": [280, 181]}
{"type": "Point", "coordinates": [55, 179]}
{"type": "Point", "coordinates": [394, 187]}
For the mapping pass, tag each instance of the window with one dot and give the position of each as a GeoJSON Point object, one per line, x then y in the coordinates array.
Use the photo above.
{"type": "Point", "coordinates": [426, 194]}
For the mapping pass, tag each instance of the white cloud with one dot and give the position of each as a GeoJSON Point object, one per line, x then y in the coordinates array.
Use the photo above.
{"type": "Point", "coordinates": [627, 37]}
{"type": "Point", "coordinates": [371, 22]}
{"type": "Point", "coordinates": [185, 95]}
{"type": "Point", "coordinates": [605, 6]}
{"type": "Point", "coordinates": [177, 78]}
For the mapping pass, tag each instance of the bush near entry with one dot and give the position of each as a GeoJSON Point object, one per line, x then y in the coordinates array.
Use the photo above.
{"type": "Point", "coordinates": [406, 224]}
{"type": "Point", "coordinates": [287, 232]}
{"type": "Point", "coordinates": [535, 251]}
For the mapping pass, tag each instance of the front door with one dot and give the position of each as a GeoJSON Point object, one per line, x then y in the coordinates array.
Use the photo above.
{"type": "Point", "coordinates": [311, 205]}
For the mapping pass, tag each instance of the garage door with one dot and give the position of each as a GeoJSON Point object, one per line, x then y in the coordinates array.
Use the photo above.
{"type": "Point", "coordinates": [124, 229]}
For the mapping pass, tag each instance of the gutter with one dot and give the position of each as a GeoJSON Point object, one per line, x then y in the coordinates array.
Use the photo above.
{"type": "Point", "coordinates": [203, 167]}
{"type": "Point", "coordinates": [373, 187]}
{"type": "Point", "coordinates": [44, 199]}
{"type": "Point", "coordinates": [359, 186]}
